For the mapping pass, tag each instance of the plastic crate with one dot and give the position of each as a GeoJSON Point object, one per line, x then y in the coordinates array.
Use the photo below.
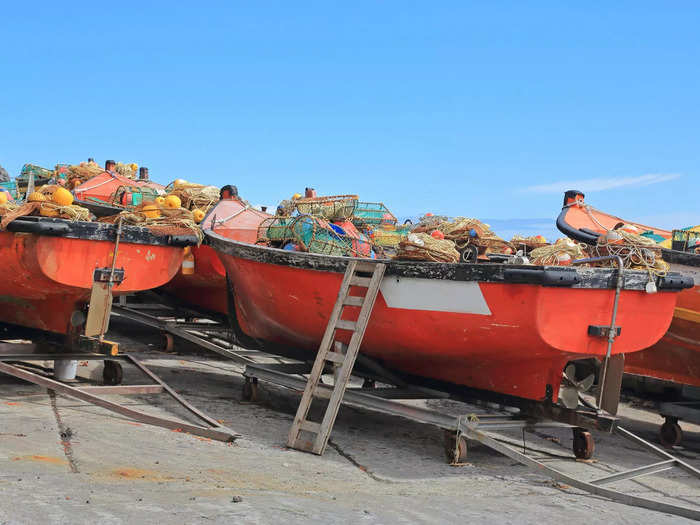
{"type": "Point", "coordinates": [684, 239]}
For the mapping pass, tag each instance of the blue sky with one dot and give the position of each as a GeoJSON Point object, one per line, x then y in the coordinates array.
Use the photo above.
{"type": "Point", "coordinates": [483, 109]}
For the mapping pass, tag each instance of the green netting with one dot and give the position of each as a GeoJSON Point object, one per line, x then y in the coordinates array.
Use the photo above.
{"type": "Point", "coordinates": [310, 233]}
{"type": "Point", "coordinates": [389, 238]}
{"type": "Point", "coordinates": [373, 214]}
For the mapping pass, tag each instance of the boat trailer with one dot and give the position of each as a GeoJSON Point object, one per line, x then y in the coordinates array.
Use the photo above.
{"type": "Point", "coordinates": [383, 392]}
{"type": "Point", "coordinates": [22, 360]}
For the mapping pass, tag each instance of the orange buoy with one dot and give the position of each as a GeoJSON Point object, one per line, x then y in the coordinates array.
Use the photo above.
{"type": "Point", "coordinates": [151, 211]}
{"type": "Point", "coordinates": [62, 197]}
{"type": "Point", "coordinates": [437, 234]}
{"type": "Point", "coordinates": [36, 197]}
{"type": "Point", "coordinates": [198, 215]}
{"type": "Point", "coordinates": [3, 197]}
{"type": "Point", "coordinates": [48, 211]}
{"type": "Point", "coordinates": [172, 201]}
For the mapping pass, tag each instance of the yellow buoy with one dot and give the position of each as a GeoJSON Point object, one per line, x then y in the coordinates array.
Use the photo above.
{"type": "Point", "coordinates": [296, 196]}
{"type": "Point", "coordinates": [172, 201]}
{"type": "Point", "coordinates": [62, 197]}
{"type": "Point", "coordinates": [178, 183]}
{"type": "Point", "coordinates": [36, 197]}
{"type": "Point", "coordinates": [198, 215]}
{"type": "Point", "coordinates": [134, 166]}
{"type": "Point", "coordinates": [160, 201]}
{"type": "Point", "coordinates": [3, 197]}
{"type": "Point", "coordinates": [151, 211]}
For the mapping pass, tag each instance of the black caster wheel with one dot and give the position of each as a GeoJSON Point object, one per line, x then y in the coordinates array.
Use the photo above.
{"type": "Point", "coordinates": [250, 390]}
{"type": "Point", "coordinates": [455, 450]}
{"type": "Point", "coordinates": [583, 446]}
{"type": "Point", "coordinates": [670, 433]}
{"type": "Point", "coordinates": [167, 342]}
{"type": "Point", "coordinates": [112, 374]}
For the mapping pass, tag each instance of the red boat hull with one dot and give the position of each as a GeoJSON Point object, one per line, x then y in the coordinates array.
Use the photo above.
{"type": "Point", "coordinates": [676, 357]}
{"type": "Point", "coordinates": [205, 289]}
{"type": "Point", "coordinates": [46, 279]}
{"type": "Point", "coordinates": [512, 339]}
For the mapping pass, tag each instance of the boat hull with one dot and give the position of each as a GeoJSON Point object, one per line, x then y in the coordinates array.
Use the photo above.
{"type": "Point", "coordinates": [47, 280]}
{"type": "Point", "coordinates": [205, 289]}
{"type": "Point", "coordinates": [513, 339]}
{"type": "Point", "coordinates": [676, 357]}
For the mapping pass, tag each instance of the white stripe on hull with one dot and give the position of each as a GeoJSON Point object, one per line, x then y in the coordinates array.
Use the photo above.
{"type": "Point", "coordinates": [409, 293]}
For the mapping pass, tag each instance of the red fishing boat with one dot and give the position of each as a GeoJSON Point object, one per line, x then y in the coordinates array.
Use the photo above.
{"type": "Point", "coordinates": [205, 288]}
{"type": "Point", "coordinates": [49, 266]}
{"type": "Point", "coordinates": [676, 357]}
{"type": "Point", "coordinates": [116, 190]}
{"type": "Point", "coordinates": [489, 328]}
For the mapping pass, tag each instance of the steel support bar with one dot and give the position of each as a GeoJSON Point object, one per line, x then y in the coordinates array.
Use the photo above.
{"type": "Point", "coordinates": [122, 389]}
{"type": "Point", "coordinates": [636, 472]}
{"type": "Point", "coordinates": [212, 433]}
{"type": "Point", "coordinates": [628, 499]}
{"type": "Point", "coordinates": [658, 451]}
{"type": "Point", "coordinates": [388, 406]}
{"type": "Point", "coordinates": [172, 328]}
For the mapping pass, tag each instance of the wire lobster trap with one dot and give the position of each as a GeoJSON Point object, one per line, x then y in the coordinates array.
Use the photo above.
{"type": "Point", "coordinates": [331, 208]}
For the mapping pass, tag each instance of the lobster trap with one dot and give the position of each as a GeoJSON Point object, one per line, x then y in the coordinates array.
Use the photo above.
{"type": "Point", "coordinates": [332, 208]}
{"type": "Point", "coordinates": [310, 234]}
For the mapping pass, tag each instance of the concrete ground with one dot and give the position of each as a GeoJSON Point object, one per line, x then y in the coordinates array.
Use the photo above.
{"type": "Point", "coordinates": [65, 461]}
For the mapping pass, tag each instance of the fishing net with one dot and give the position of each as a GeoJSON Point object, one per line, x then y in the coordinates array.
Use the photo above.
{"type": "Point", "coordinates": [159, 221]}
{"type": "Point", "coordinates": [464, 232]}
{"type": "Point", "coordinates": [311, 234]}
{"type": "Point", "coordinates": [373, 214]}
{"type": "Point", "coordinates": [196, 196]}
{"type": "Point", "coordinates": [527, 244]}
{"type": "Point", "coordinates": [79, 173]}
{"type": "Point", "coordinates": [127, 170]}
{"type": "Point", "coordinates": [423, 247]}
{"type": "Point", "coordinates": [388, 238]}
{"type": "Point", "coordinates": [333, 208]}
{"type": "Point", "coordinates": [45, 209]}
{"type": "Point", "coordinates": [637, 252]}
{"type": "Point", "coordinates": [428, 223]}
{"type": "Point", "coordinates": [561, 252]}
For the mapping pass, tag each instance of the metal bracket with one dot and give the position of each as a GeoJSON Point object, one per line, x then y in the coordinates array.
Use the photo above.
{"type": "Point", "coordinates": [101, 275]}
{"type": "Point", "coordinates": [92, 344]}
{"type": "Point", "coordinates": [596, 330]}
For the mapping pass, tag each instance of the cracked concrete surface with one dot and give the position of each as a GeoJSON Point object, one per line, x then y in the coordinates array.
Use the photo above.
{"type": "Point", "coordinates": [66, 461]}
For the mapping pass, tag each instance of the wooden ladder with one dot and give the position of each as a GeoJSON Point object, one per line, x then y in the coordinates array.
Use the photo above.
{"type": "Point", "coordinates": [342, 356]}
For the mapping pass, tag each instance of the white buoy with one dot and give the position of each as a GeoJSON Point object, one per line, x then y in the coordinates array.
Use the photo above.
{"type": "Point", "coordinates": [65, 369]}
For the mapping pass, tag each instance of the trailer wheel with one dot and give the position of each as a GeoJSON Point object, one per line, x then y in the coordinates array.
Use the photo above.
{"type": "Point", "coordinates": [670, 433]}
{"type": "Point", "coordinates": [583, 445]}
{"type": "Point", "coordinates": [168, 342]}
{"type": "Point", "coordinates": [455, 450]}
{"type": "Point", "coordinates": [112, 373]}
{"type": "Point", "coordinates": [250, 389]}
{"type": "Point", "coordinates": [469, 254]}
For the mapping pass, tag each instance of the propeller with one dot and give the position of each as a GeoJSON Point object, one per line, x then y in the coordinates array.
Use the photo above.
{"type": "Point", "coordinates": [571, 387]}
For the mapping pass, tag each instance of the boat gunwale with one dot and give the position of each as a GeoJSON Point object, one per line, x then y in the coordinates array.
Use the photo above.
{"type": "Point", "coordinates": [96, 231]}
{"type": "Point", "coordinates": [588, 278]}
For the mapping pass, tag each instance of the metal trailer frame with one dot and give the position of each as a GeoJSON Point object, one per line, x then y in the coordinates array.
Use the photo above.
{"type": "Point", "coordinates": [12, 354]}
{"type": "Point", "coordinates": [478, 427]}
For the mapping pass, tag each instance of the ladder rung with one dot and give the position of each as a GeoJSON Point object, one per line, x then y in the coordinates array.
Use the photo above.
{"type": "Point", "coordinates": [360, 281]}
{"type": "Point", "coordinates": [363, 266]}
{"type": "Point", "coordinates": [346, 325]}
{"type": "Point", "coordinates": [335, 357]}
{"type": "Point", "coordinates": [353, 300]}
{"type": "Point", "coordinates": [310, 426]}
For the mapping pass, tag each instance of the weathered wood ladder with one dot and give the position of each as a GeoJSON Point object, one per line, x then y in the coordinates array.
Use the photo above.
{"type": "Point", "coordinates": [342, 357]}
